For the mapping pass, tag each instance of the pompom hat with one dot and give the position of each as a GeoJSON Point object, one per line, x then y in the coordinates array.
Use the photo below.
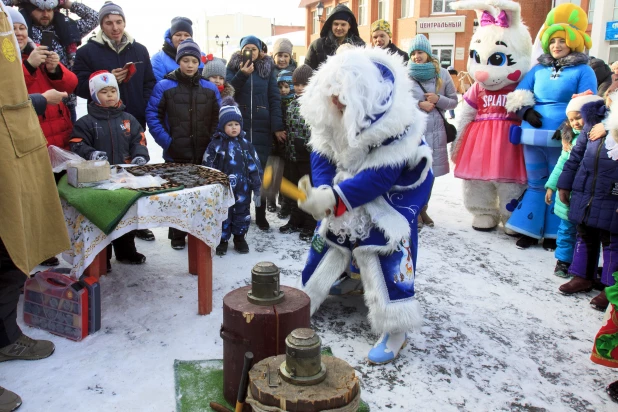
{"type": "Point", "coordinates": [229, 112]}
{"type": "Point", "coordinates": [100, 80]}
{"type": "Point", "coordinates": [569, 22]}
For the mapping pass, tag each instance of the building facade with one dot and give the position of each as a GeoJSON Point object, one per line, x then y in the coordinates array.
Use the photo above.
{"type": "Point", "coordinates": [603, 14]}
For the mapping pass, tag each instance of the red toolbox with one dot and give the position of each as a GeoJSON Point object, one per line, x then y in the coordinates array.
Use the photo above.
{"type": "Point", "coordinates": [94, 302]}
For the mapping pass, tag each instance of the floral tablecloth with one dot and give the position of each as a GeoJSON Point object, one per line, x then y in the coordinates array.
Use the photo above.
{"type": "Point", "coordinates": [199, 211]}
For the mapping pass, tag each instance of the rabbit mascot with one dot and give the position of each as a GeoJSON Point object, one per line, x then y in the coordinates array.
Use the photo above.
{"type": "Point", "coordinates": [492, 168]}
{"type": "Point", "coordinates": [541, 99]}
{"type": "Point", "coordinates": [371, 175]}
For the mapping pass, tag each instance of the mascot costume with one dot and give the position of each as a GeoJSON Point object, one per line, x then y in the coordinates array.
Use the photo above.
{"type": "Point", "coordinates": [371, 175]}
{"type": "Point", "coordinates": [541, 99]}
{"type": "Point", "coordinates": [492, 168]}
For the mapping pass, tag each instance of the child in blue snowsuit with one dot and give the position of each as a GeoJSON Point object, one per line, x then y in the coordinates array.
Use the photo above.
{"type": "Point", "coordinates": [230, 152]}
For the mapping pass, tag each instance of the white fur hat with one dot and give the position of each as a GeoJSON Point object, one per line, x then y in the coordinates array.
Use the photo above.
{"type": "Point", "coordinates": [576, 104]}
{"type": "Point", "coordinates": [100, 80]}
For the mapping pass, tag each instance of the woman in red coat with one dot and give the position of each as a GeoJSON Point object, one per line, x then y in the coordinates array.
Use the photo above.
{"type": "Point", "coordinates": [42, 72]}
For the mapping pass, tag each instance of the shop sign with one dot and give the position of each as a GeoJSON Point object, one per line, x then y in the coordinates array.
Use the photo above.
{"type": "Point", "coordinates": [611, 30]}
{"type": "Point", "coordinates": [451, 24]}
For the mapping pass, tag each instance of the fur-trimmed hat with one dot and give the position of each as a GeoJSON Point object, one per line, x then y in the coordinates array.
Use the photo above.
{"type": "Point", "coordinates": [110, 8]}
{"type": "Point", "coordinates": [213, 66]}
{"type": "Point", "coordinates": [100, 80]}
{"type": "Point", "coordinates": [420, 42]}
{"type": "Point", "coordinates": [229, 112]}
{"type": "Point", "coordinates": [188, 48]}
{"type": "Point", "coordinates": [302, 74]}
{"type": "Point", "coordinates": [282, 46]}
{"type": "Point", "coordinates": [181, 24]}
{"type": "Point", "coordinates": [577, 102]}
{"type": "Point", "coordinates": [382, 25]}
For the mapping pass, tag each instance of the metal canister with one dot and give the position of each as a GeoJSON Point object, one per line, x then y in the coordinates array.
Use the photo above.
{"type": "Point", "coordinates": [303, 358]}
{"type": "Point", "coordinates": [265, 288]}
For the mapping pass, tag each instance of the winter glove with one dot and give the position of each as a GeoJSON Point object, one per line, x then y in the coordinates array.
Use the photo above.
{"type": "Point", "coordinates": [557, 135]}
{"type": "Point", "coordinates": [320, 201]}
{"type": "Point", "coordinates": [139, 160]}
{"type": "Point", "coordinates": [98, 155]}
{"type": "Point", "coordinates": [534, 118]}
{"type": "Point", "coordinates": [257, 200]}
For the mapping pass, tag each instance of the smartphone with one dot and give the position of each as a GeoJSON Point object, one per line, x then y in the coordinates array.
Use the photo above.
{"type": "Point", "coordinates": [246, 57]}
{"type": "Point", "coordinates": [46, 39]}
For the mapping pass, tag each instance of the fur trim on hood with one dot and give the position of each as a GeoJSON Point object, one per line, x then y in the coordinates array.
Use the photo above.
{"type": "Point", "coordinates": [264, 66]}
{"type": "Point", "coordinates": [571, 59]}
{"type": "Point", "coordinates": [593, 112]}
{"type": "Point", "coordinates": [228, 90]}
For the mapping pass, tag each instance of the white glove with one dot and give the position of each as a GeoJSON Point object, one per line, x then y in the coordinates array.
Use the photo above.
{"type": "Point", "coordinates": [98, 155]}
{"type": "Point", "coordinates": [257, 200]}
{"type": "Point", "coordinates": [320, 201]}
{"type": "Point", "coordinates": [139, 160]}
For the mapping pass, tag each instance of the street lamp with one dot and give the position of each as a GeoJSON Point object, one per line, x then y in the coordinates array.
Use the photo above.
{"type": "Point", "coordinates": [320, 9]}
{"type": "Point", "coordinates": [223, 43]}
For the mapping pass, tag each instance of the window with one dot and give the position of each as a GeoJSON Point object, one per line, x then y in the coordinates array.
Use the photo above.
{"type": "Point", "coordinates": [590, 11]}
{"type": "Point", "coordinates": [442, 6]}
{"type": "Point", "coordinates": [407, 8]}
{"type": "Point", "coordinates": [444, 54]}
{"type": "Point", "coordinates": [314, 22]}
{"type": "Point", "coordinates": [382, 9]}
{"type": "Point", "coordinates": [327, 12]}
{"type": "Point", "coordinates": [362, 12]}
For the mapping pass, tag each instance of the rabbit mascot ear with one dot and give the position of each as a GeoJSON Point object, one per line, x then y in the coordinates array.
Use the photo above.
{"type": "Point", "coordinates": [500, 49]}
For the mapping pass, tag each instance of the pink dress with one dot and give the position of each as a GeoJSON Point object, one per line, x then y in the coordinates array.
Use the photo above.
{"type": "Point", "coordinates": [485, 152]}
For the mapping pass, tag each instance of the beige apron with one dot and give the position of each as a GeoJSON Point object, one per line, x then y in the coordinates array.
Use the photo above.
{"type": "Point", "coordinates": [31, 221]}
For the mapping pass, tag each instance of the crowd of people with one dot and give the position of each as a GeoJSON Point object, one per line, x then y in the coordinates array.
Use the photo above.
{"type": "Point", "coordinates": [555, 178]}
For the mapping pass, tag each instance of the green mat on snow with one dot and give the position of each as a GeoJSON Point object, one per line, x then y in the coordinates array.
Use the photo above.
{"type": "Point", "coordinates": [200, 382]}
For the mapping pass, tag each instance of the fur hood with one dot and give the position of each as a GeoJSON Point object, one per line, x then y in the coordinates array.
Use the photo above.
{"type": "Point", "coordinates": [571, 59]}
{"type": "Point", "coordinates": [264, 66]}
{"type": "Point", "coordinates": [328, 24]}
{"type": "Point", "coordinates": [593, 113]}
{"type": "Point", "coordinates": [228, 90]}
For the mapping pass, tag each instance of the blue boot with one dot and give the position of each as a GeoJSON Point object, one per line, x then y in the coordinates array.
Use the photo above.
{"type": "Point", "coordinates": [387, 348]}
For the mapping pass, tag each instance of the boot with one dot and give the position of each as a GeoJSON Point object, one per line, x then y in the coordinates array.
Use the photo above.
{"type": "Point", "coordinates": [549, 244]}
{"type": "Point", "coordinates": [427, 221]}
{"type": "Point", "coordinates": [240, 244]}
{"type": "Point", "coordinates": [387, 348]}
{"type": "Point", "coordinates": [576, 285]}
{"type": "Point", "coordinates": [306, 235]}
{"type": "Point", "coordinates": [612, 391]}
{"type": "Point", "coordinates": [145, 234]}
{"type": "Point", "coordinates": [484, 223]}
{"type": "Point", "coordinates": [178, 244]}
{"type": "Point", "coordinates": [562, 269]}
{"type": "Point", "coordinates": [26, 348]}
{"type": "Point", "coordinates": [132, 259]}
{"type": "Point", "coordinates": [222, 248]}
{"type": "Point", "coordinates": [600, 302]}
{"type": "Point", "coordinates": [9, 401]}
{"type": "Point", "coordinates": [525, 242]}
{"type": "Point", "coordinates": [286, 210]}
{"type": "Point", "coordinates": [271, 205]}
{"type": "Point", "coordinates": [260, 218]}
{"type": "Point", "coordinates": [288, 228]}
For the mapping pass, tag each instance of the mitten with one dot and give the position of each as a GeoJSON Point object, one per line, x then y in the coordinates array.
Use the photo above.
{"type": "Point", "coordinates": [534, 118]}
{"type": "Point", "coordinates": [557, 135]}
{"type": "Point", "coordinates": [139, 160]}
{"type": "Point", "coordinates": [98, 155]}
{"type": "Point", "coordinates": [257, 200]}
{"type": "Point", "coordinates": [320, 202]}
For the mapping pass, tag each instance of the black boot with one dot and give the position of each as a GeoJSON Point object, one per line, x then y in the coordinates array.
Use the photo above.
{"type": "Point", "coordinates": [525, 242]}
{"type": "Point", "coordinates": [549, 244]}
{"type": "Point", "coordinates": [240, 244]}
{"type": "Point", "coordinates": [260, 218]}
{"type": "Point", "coordinates": [222, 248]}
{"type": "Point", "coordinates": [145, 234]}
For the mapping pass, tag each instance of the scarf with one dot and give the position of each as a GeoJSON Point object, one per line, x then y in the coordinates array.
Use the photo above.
{"type": "Point", "coordinates": [422, 71]}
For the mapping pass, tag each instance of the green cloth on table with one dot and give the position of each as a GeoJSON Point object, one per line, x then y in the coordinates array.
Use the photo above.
{"type": "Point", "coordinates": [104, 208]}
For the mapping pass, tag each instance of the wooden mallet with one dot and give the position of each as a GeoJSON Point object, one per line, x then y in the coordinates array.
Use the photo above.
{"type": "Point", "coordinates": [244, 380]}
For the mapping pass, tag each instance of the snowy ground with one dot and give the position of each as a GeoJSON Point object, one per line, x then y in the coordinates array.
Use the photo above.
{"type": "Point", "coordinates": [497, 334]}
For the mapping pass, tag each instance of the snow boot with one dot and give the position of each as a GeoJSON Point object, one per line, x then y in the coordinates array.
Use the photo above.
{"type": "Point", "coordinates": [260, 218]}
{"type": "Point", "coordinates": [9, 401]}
{"type": "Point", "coordinates": [145, 234]}
{"type": "Point", "coordinates": [288, 228]}
{"type": "Point", "coordinates": [178, 244]}
{"type": "Point", "coordinates": [576, 285]}
{"type": "Point", "coordinates": [387, 348]}
{"type": "Point", "coordinates": [612, 391]}
{"type": "Point", "coordinates": [524, 242]}
{"type": "Point", "coordinates": [132, 259]}
{"type": "Point", "coordinates": [484, 223]}
{"type": "Point", "coordinates": [345, 285]}
{"type": "Point", "coordinates": [549, 244]}
{"type": "Point", "coordinates": [600, 302]}
{"type": "Point", "coordinates": [221, 248]}
{"type": "Point", "coordinates": [240, 244]}
{"type": "Point", "coordinates": [285, 211]}
{"type": "Point", "coordinates": [562, 269]}
{"type": "Point", "coordinates": [25, 348]}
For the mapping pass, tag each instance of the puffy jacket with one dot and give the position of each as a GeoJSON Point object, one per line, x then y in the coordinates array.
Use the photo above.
{"type": "Point", "coordinates": [259, 101]}
{"type": "Point", "coordinates": [435, 134]}
{"type": "Point", "coordinates": [592, 177]}
{"type": "Point", "coordinates": [182, 114]}
{"type": "Point", "coordinates": [110, 130]}
{"type": "Point", "coordinates": [56, 123]}
{"type": "Point", "coordinates": [327, 44]}
{"type": "Point", "coordinates": [164, 61]}
{"type": "Point", "coordinates": [100, 54]}
{"type": "Point", "coordinates": [560, 209]}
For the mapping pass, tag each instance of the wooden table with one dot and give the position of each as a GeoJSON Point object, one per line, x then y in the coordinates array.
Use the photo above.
{"type": "Point", "coordinates": [199, 211]}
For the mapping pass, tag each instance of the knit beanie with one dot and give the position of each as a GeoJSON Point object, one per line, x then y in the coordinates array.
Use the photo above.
{"type": "Point", "coordinates": [282, 46]}
{"type": "Point", "coordinates": [302, 74]}
{"type": "Point", "coordinates": [213, 66]}
{"type": "Point", "coordinates": [110, 8]}
{"type": "Point", "coordinates": [421, 43]}
{"type": "Point", "coordinates": [45, 4]}
{"type": "Point", "coordinates": [188, 48]}
{"type": "Point", "coordinates": [286, 76]}
{"type": "Point", "coordinates": [181, 24]}
{"type": "Point", "coordinates": [250, 40]}
{"type": "Point", "coordinates": [576, 103]}
{"type": "Point", "coordinates": [99, 80]}
{"type": "Point", "coordinates": [341, 15]}
{"type": "Point", "coordinates": [229, 112]}
{"type": "Point", "coordinates": [16, 16]}
{"type": "Point", "coordinates": [569, 22]}
{"type": "Point", "coordinates": [381, 25]}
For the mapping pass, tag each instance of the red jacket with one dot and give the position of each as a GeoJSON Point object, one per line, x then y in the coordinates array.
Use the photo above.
{"type": "Point", "coordinates": [56, 123]}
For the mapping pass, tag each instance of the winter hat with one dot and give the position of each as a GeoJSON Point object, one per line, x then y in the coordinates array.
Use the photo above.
{"type": "Point", "coordinates": [569, 22]}
{"type": "Point", "coordinates": [341, 15]}
{"type": "Point", "coordinates": [286, 76]}
{"type": "Point", "coordinates": [110, 8]}
{"type": "Point", "coordinates": [45, 4]}
{"type": "Point", "coordinates": [16, 16]}
{"type": "Point", "coordinates": [250, 40]}
{"type": "Point", "coordinates": [229, 112]}
{"type": "Point", "coordinates": [382, 25]}
{"type": "Point", "coordinates": [579, 100]}
{"type": "Point", "coordinates": [188, 48]}
{"type": "Point", "coordinates": [213, 66]}
{"type": "Point", "coordinates": [302, 74]}
{"type": "Point", "coordinates": [421, 43]}
{"type": "Point", "coordinates": [282, 46]}
{"type": "Point", "coordinates": [99, 80]}
{"type": "Point", "coordinates": [181, 24]}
